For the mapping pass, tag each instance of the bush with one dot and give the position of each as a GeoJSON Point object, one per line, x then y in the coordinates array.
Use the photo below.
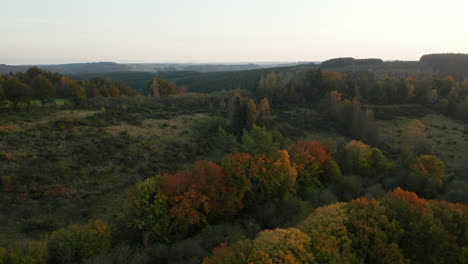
{"type": "Point", "coordinates": [77, 243]}
{"type": "Point", "coordinates": [3, 255]}
{"type": "Point", "coordinates": [33, 252]}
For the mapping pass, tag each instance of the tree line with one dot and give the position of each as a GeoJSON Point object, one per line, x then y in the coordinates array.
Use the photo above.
{"type": "Point", "coordinates": [445, 95]}
{"type": "Point", "coordinates": [45, 87]}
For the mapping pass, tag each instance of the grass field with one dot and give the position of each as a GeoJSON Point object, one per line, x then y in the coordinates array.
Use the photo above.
{"type": "Point", "coordinates": [447, 137]}
{"type": "Point", "coordinates": [179, 126]}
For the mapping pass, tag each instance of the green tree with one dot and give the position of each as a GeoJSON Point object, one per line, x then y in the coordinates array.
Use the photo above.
{"type": "Point", "coordinates": [374, 237]}
{"type": "Point", "coordinates": [427, 176]}
{"type": "Point", "coordinates": [462, 109]}
{"type": "Point", "coordinates": [16, 91]}
{"type": "Point", "coordinates": [31, 252]}
{"type": "Point", "coordinates": [92, 91]}
{"type": "Point", "coordinates": [364, 160]}
{"type": "Point", "coordinates": [264, 114]}
{"type": "Point", "coordinates": [2, 93]}
{"type": "Point", "coordinates": [3, 255]}
{"type": "Point", "coordinates": [77, 243]}
{"type": "Point", "coordinates": [268, 85]}
{"type": "Point", "coordinates": [237, 113]}
{"type": "Point", "coordinates": [43, 89]}
{"type": "Point", "coordinates": [330, 241]}
{"type": "Point", "coordinates": [424, 239]}
{"type": "Point", "coordinates": [252, 114]}
{"type": "Point", "coordinates": [259, 141]}
{"type": "Point", "coordinates": [270, 247]}
{"type": "Point", "coordinates": [147, 212]}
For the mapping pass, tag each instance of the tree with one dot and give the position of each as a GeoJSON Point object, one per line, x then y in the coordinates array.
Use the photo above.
{"type": "Point", "coordinates": [364, 160]}
{"type": "Point", "coordinates": [403, 91]}
{"type": "Point", "coordinates": [330, 241]}
{"type": "Point", "coordinates": [415, 136]}
{"type": "Point", "coordinates": [252, 114]}
{"type": "Point", "coordinates": [357, 120]}
{"type": "Point", "coordinates": [270, 247]}
{"type": "Point", "coordinates": [374, 236]}
{"type": "Point", "coordinates": [331, 101]}
{"type": "Point", "coordinates": [199, 195]}
{"type": "Point", "coordinates": [77, 243]}
{"type": "Point", "coordinates": [237, 114]}
{"type": "Point", "coordinates": [427, 176]}
{"type": "Point", "coordinates": [268, 85]}
{"type": "Point", "coordinates": [16, 91]}
{"type": "Point", "coordinates": [284, 246]}
{"type": "Point", "coordinates": [271, 179]}
{"type": "Point", "coordinates": [370, 133]}
{"type": "Point", "coordinates": [43, 89]}
{"type": "Point", "coordinates": [222, 143]}
{"type": "Point", "coordinates": [2, 93]}
{"type": "Point", "coordinates": [264, 114]}
{"type": "Point", "coordinates": [259, 178]}
{"type": "Point", "coordinates": [31, 252]}
{"type": "Point", "coordinates": [332, 81]}
{"type": "Point", "coordinates": [92, 91]}
{"type": "Point", "coordinates": [259, 141]}
{"type": "Point", "coordinates": [462, 109]}
{"type": "Point", "coordinates": [154, 86]}
{"type": "Point", "coordinates": [422, 233]}
{"type": "Point", "coordinates": [161, 87]}
{"type": "Point", "coordinates": [314, 164]}
{"type": "Point", "coordinates": [147, 212]}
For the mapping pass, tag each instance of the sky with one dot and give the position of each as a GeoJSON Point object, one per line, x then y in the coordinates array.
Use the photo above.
{"type": "Point", "coordinates": [66, 31]}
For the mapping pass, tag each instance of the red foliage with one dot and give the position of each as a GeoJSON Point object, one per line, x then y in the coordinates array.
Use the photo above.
{"type": "Point", "coordinates": [409, 197]}
{"type": "Point", "coordinates": [311, 151]}
{"type": "Point", "coordinates": [198, 194]}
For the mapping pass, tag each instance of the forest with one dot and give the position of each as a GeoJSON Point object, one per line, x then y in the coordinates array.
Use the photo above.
{"type": "Point", "coordinates": [298, 164]}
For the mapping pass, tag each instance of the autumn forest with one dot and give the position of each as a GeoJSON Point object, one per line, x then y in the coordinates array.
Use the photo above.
{"type": "Point", "coordinates": [345, 161]}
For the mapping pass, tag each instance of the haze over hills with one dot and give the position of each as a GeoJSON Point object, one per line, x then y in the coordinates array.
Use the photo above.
{"type": "Point", "coordinates": [208, 77]}
{"type": "Point", "coordinates": [106, 67]}
{"type": "Point", "coordinates": [432, 63]}
{"type": "Point", "coordinates": [204, 78]}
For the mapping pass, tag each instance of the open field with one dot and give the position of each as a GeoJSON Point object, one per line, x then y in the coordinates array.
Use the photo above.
{"type": "Point", "coordinates": [447, 137]}
{"type": "Point", "coordinates": [179, 126]}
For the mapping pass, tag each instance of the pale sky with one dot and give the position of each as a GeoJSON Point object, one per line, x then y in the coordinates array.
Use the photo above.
{"type": "Point", "coordinates": [63, 31]}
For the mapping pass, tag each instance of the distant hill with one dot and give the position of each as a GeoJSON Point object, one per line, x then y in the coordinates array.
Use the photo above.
{"type": "Point", "coordinates": [13, 69]}
{"type": "Point", "coordinates": [447, 64]}
{"type": "Point", "coordinates": [137, 80]}
{"type": "Point", "coordinates": [342, 62]}
{"type": "Point", "coordinates": [193, 80]}
{"type": "Point", "coordinates": [94, 67]}
{"type": "Point", "coordinates": [204, 67]}
{"type": "Point", "coordinates": [72, 68]}
{"type": "Point", "coordinates": [106, 67]}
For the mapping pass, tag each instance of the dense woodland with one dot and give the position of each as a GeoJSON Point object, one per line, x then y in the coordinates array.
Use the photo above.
{"type": "Point", "coordinates": [300, 165]}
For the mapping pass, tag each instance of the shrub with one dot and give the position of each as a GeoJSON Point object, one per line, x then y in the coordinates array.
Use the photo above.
{"type": "Point", "coordinates": [33, 252]}
{"type": "Point", "coordinates": [77, 243]}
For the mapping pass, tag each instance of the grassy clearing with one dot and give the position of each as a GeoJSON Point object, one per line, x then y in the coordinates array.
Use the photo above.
{"type": "Point", "coordinates": [24, 118]}
{"type": "Point", "coordinates": [66, 115]}
{"type": "Point", "coordinates": [447, 137]}
{"type": "Point", "coordinates": [177, 127]}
